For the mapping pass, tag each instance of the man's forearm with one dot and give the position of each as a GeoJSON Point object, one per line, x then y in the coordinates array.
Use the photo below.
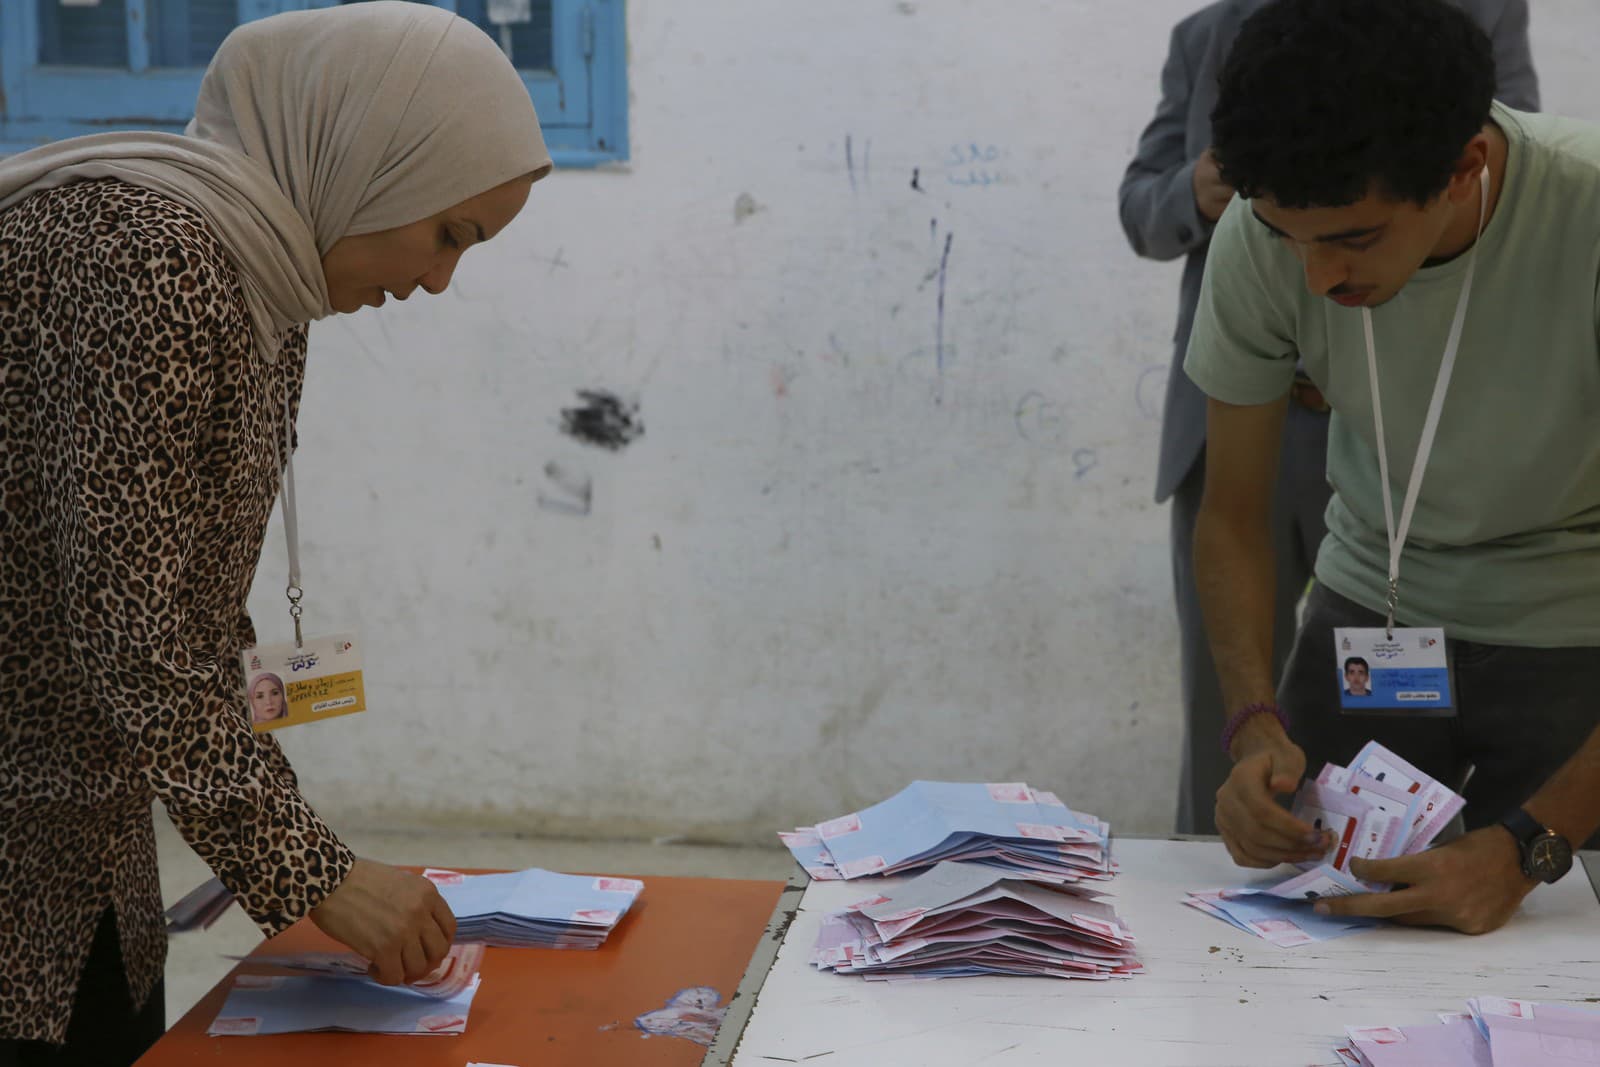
{"type": "Point", "coordinates": [1236, 574]}
{"type": "Point", "coordinates": [1569, 803]}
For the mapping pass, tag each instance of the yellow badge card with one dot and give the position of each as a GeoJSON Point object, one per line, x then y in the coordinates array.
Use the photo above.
{"type": "Point", "coordinates": [286, 686]}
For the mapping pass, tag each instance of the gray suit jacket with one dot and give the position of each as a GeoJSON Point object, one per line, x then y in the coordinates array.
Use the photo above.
{"type": "Point", "coordinates": [1157, 196]}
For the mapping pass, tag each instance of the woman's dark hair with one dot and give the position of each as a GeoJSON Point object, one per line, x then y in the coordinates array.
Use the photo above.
{"type": "Point", "coordinates": [1322, 100]}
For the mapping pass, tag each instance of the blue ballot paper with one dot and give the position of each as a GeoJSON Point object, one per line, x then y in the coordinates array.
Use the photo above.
{"type": "Point", "coordinates": [263, 1004]}
{"type": "Point", "coordinates": [535, 908]}
{"type": "Point", "coordinates": [1280, 922]}
{"type": "Point", "coordinates": [1008, 825]}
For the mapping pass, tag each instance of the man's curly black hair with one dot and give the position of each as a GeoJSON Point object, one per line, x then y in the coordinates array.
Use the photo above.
{"type": "Point", "coordinates": [1322, 100]}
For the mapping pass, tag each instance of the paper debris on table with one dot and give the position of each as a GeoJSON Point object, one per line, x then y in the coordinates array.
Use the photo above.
{"type": "Point", "coordinates": [694, 1014]}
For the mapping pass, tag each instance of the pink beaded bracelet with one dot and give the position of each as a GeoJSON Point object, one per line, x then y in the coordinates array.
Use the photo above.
{"type": "Point", "coordinates": [1243, 715]}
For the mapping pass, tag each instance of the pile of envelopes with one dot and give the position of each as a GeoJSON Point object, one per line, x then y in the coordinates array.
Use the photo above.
{"type": "Point", "coordinates": [535, 908]}
{"type": "Point", "coordinates": [332, 991]}
{"type": "Point", "coordinates": [1017, 831]}
{"type": "Point", "coordinates": [1494, 1032]}
{"type": "Point", "coordinates": [1379, 807]}
{"type": "Point", "coordinates": [964, 919]}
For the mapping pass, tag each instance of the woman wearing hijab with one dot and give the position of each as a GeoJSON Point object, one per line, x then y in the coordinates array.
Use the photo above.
{"type": "Point", "coordinates": [154, 296]}
{"type": "Point", "coordinates": [267, 702]}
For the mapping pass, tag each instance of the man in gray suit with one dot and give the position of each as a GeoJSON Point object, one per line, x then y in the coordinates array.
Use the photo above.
{"type": "Point", "coordinates": [1170, 199]}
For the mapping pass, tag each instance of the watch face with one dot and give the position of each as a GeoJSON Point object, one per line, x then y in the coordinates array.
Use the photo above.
{"type": "Point", "coordinates": [1549, 857]}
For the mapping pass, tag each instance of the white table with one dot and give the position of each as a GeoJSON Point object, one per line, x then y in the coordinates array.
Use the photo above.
{"type": "Point", "coordinates": [1210, 995]}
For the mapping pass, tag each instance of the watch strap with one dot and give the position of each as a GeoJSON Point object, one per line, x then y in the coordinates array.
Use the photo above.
{"type": "Point", "coordinates": [1523, 827]}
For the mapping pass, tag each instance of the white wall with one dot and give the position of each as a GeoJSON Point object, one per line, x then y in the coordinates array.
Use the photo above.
{"type": "Point", "coordinates": [829, 566]}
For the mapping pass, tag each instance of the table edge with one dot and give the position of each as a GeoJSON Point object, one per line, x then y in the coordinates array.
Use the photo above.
{"type": "Point", "coordinates": [742, 1003]}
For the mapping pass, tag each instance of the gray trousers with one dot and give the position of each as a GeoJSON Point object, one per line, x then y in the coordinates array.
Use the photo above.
{"type": "Point", "coordinates": [1521, 712]}
{"type": "Point", "coordinates": [1297, 531]}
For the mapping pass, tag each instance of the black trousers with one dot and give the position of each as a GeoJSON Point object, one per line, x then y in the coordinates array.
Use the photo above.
{"type": "Point", "coordinates": [105, 1030]}
{"type": "Point", "coordinates": [1521, 712]}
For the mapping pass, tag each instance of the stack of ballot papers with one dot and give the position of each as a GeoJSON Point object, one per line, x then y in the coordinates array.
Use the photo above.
{"type": "Point", "coordinates": [1495, 1032]}
{"type": "Point", "coordinates": [1379, 807]}
{"type": "Point", "coordinates": [332, 991]}
{"type": "Point", "coordinates": [535, 908]}
{"type": "Point", "coordinates": [1017, 830]}
{"type": "Point", "coordinates": [965, 919]}
{"type": "Point", "coordinates": [199, 908]}
{"type": "Point", "coordinates": [455, 972]}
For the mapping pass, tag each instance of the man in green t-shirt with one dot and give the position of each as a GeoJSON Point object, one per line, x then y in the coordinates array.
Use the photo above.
{"type": "Point", "coordinates": [1432, 259]}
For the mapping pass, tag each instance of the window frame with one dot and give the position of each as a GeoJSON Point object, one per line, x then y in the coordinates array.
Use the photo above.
{"type": "Point", "coordinates": [41, 103]}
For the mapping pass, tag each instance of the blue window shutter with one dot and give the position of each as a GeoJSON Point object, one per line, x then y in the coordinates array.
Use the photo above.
{"type": "Point", "coordinates": [83, 36]}
{"type": "Point", "coordinates": [532, 42]}
{"type": "Point", "coordinates": [136, 64]}
{"type": "Point", "coordinates": [186, 33]}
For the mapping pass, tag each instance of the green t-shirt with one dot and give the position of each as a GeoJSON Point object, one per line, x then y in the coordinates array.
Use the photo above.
{"type": "Point", "coordinates": [1505, 545]}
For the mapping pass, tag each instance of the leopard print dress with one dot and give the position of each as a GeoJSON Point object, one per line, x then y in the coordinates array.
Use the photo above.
{"type": "Point", "coordinates": [139, 444]}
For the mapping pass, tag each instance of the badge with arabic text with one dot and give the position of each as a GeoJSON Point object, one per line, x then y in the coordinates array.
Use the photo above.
{"type": "Point", "coordinates": [1408, 671]}
{"type": "Point", "coordinates": [286, 686]}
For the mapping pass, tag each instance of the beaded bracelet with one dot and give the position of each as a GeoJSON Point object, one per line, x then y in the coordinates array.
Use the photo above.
{"type": "Point", "coordinates": [1243, 715]}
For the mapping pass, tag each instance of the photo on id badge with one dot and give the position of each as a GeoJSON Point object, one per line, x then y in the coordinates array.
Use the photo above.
{"type": "Point", "coordinates": [1407, 673]}
{"type": "Point", "coordinates": [286, 685]}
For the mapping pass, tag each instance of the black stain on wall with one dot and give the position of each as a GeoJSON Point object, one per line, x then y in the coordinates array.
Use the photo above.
{"type": "Point", "coordinates": [602, 419]}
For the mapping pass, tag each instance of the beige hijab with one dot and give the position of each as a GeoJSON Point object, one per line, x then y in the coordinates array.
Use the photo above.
{"type": "Point", "coordinates": [315, 125]}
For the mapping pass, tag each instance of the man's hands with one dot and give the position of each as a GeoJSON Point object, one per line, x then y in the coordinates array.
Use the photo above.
{"type": "Point", "coordinates": [394, 918]}
{"type": "Point", "coordinates": [1473, 884]}
{"type": "Point", "coordinates": [1211, 193]}
{"type": "Point", "coordinates": [1257, 831]}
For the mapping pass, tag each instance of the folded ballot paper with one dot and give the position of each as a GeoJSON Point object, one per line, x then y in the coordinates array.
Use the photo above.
{"type": "Point", "coordinates": [1009, 827]}
{"type": "Point", "coordinates": [535, 908]}
{"type": "Point", "coordinates": [332, 991]}
{"type": "Point", "coordinates": [964, 919]}
{"type": "Point", "coordinates": [279, 1004]}
{"type": "Point", "coordinates": [1495, 1032]}
{"type": "Point", "coordinates": [1379, 807]}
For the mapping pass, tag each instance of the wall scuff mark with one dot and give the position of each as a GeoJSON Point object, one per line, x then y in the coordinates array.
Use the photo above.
{"type": "Point", "coordinates": [603, 419]}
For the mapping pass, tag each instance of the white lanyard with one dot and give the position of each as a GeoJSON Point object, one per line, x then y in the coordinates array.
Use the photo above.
{"type": "Point", "coordinates": [291, 521]}
{"type": "Point", "coordinates": [1397, 537]}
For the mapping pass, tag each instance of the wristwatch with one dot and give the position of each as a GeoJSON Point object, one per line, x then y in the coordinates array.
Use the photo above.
{"type": "Point", "coordinates": [1546, 855]}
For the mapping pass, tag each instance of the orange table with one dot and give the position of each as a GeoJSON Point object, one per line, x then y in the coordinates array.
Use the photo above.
{"type": "Point", "coordinates": [537, 1007]}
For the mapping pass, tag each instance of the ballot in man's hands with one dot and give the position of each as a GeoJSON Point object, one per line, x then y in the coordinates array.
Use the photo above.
{"type": "Point", "coordinates": [1255, 827]}
{"type": "Point", "coordinates": [1473, 884]}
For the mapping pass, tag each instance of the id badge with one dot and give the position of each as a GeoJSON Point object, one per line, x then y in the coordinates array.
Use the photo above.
{"type": "Point", "coordinates": [1408, 673]}
{"type": "Point", "coordinates": [286, 686]}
